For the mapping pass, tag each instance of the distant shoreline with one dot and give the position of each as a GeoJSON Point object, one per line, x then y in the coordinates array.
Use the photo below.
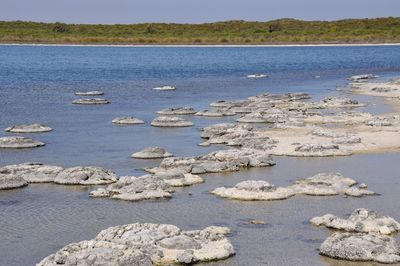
{"type": "Point", "coordinates": [200, 45]}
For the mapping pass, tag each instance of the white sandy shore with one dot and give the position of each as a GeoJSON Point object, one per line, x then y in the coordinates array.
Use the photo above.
{"type": "Point", "coordinates": [200, 45]}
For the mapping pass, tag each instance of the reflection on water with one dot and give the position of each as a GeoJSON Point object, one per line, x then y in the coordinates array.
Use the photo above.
{"type": "Point", "coordinates": [37, 85]}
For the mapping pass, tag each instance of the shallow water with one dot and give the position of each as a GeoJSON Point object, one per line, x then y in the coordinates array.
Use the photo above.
{"type": "Point", "coordinates": [37, 85]}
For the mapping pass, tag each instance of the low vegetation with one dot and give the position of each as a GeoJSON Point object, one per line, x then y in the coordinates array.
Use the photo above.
{"type": "Point", "coordinates": [283, 31]}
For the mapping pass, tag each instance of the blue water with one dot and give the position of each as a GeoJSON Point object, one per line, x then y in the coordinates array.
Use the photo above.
{"type": "Point", "coordinates": [37, 85]}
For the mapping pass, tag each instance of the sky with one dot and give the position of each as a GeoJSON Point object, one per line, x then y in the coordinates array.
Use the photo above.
{"type": "Point", "coordinates": [191, 11]}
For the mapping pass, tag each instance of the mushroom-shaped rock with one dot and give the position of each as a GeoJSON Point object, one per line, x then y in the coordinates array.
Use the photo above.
{"type": "Point", "coordinates": [29, 128]}
{"type": "Point", "coordinates": [319, 185]}
{"type": "Point", "coordinates": [168, 121]}
{"type": "Point", "coordinates": [90, 175]}
{"type": "Point", "coordinates": [177, 111]}
{"type": "Point", "coordinates": [133, 188]}
{"type": "Point", "coordinates": [91, 101]}
{"type": "Point", "coordinates": [89, 93]}
{"type": "Point", "coordinates": [8, 181]}
{"type": "Point", "coordinates": [127, 120]}
{"type": "Point", "coordinates": [361, 247]}
{"type": "Point", "coordinates": [361, 220]}
{"type": "Point", "coordinates": [15, 142]}
{"type": "Point", "coordinates": [164, 88]}
{"type": "Point", "coordinates": [146, 244]}
{"type": "Point", "coordinates": [32, 172]}
{"type": "Point", "coordinates": [152, 153]}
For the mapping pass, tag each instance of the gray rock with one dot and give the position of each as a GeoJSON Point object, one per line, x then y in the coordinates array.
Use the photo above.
{"type": "Point", "coordinates": [152, 153]}
{"type": "Point", "coordinates": [89, 93]}
{"type": "Point", "coordinates": [360, 78]}
{"type": "Point", "coordinates": [90, 175]}
{"type": "Point", "coordinates": [319, 185]}
{"type": "Point", "coordinates": [32, 172]}
{"type": "Point", "coordinates": [177, 111]}
{"type": "Point", "coordinates": [29, 128]}
{"type": "Point", "coordinates": [15, 142]}
{"type": "Point", "coordinates": [133, 188]}
{"type": "Point", "coordinates": [361, 247]}
{"type": "Point", "coordinates": [127, 120]}
{"type": "Point", "coordinates": [215, 162]}
{"type": "Point", "coordinates": [378, 121]}
{"type": "Point", "coordinates": [220, 112]}
{"type": "Point", "coordinates": [8, 181]}
{"type": "Point", "coordinates": [361, 221]}
{"type": "Point", "coordinates": [146, 244]}
{"type": "Point", "coordinates": [91, 101]}
{"type": "Point", "coordinates": [164, 121]}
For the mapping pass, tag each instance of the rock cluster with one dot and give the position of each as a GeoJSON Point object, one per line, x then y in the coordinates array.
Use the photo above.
{"type": "Point", "coordinates": [16, 142]}
{"type": "Point", "coordinates": [29, 128]}
{"type": "Point", "coordinates": [215, 162]}
{"type": "Point", "coordinates": [325, 184]}
{"type": "Point", "coordinates": [25, 173]}
{"type": "Point", "coordinates": [146, 244]}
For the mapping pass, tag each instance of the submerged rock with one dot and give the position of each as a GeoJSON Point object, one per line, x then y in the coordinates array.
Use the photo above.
{"type": "Point", "coordinates": [257, 76]}
{"type": "Point", "coordinates": [91, 101]}
{"type": "Point", "coordinates": [359, 78]}
{"type": "Point", "coordinates": [361, 220]}
{"type": "Point", "coordinates": [215, 162]}
{"type": "Point", "coordinates": [177, 111]}
{"type": "Point", "coordinates": [90, 175]}
{"type": "Point", "coordinates": [319, 185]}
{"type": "Point", "coordinates": [133, 188]}
{"type": "Point", "coordinates": [146, 244]}
{"type": "Point", "coordinates": [167, 121]}
{"type": "Point", "coordinates": [165, 88]}
{"type": "Point", "coordinates": [15, 142]}
{"type": "Point", "coordinates": [8, 181]}
{"type": "Point", "coordinates": [361, 247]}
{"type": "Point", "coordinates": [89, 93]}
{"type": "Point", "coordinates": [127, 120]}
{"type": "Point", "coordinates": [32, 172]}
{"type": "Point", "coordinates": [29, 128]}
{"type": "Point", "coordinates": [152, 153]}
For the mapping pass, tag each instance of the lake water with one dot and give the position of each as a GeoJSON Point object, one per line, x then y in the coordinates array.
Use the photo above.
{"type": "Point", "coordinates": [37, 84]}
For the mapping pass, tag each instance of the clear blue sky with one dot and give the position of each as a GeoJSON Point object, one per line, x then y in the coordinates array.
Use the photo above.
{"type": "Point", "coordinates": [191, 11]}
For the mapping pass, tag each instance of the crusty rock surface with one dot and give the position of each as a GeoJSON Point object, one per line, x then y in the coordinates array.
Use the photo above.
{"type": "Point", "coordinates": [168, 121]}
{"type": "Point", "coordinates": [8, 181]}
{"type": "Point", "coordinates": [89, 93]}
{"type": "Point", "coordinates": [32, 172]}
{"type": "Point", "coordinates": [16, 142]}
{"type": "Point", "coordinates": [185, 110]}
{"type": "Point", "coordinates": [90, 175]}
{"type": "Point", "coordinates": [361, 220]}
{"type": "Point", "coordinates": [361, 247]}
{"type": "Point", "coordinates": [152, 153]}
{"type": "Point", "coordinates": [178, 179]}
{"type": "Point", "coordinates": [90, 101]}
{"type": "Point", "coordinates": [219, 112]}
{"type": "Point", "coordinates": [127, 120]}
{"type": "Point", "coordinates": [215, 162]}
{"type": "Point", "coordinates": [133, 188]}
{"type": "Point", "coordinates": [325, 184]}
{"type": "Point", "coordinates": [28, 128]}
{"type": "Point", "coordinates": [146, 244]}
{"type": "Point", "coordinates": [318, 150]}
